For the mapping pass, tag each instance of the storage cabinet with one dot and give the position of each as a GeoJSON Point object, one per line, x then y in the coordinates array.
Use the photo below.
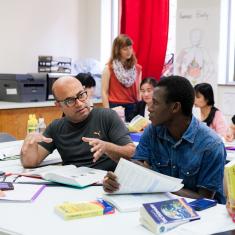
{"type": "Point", "coordinates": [14, 121]}
{"type": "Point", "coordinates": [14, 116]}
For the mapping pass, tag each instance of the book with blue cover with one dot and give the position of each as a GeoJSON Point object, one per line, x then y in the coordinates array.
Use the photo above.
{"type": "Point", "coordinates": [135, 136]}
{"type": "Point", "coordinates": [159, 217]}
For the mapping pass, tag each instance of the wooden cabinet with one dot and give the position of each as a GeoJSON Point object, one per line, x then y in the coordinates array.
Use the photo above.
{"type": "Point", "coordinates": [14, 121]}
{"type": "Point", "coordinates": [14, 116]}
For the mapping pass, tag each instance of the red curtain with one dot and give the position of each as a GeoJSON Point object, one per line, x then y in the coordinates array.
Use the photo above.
{"type": "Point", "coordinates": [146, 22]}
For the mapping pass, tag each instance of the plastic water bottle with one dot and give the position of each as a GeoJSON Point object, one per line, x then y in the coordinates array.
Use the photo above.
{"type": "Point", "coordinates": [32, 123]}
{"type": "Point", "coordinates": [41, 125]}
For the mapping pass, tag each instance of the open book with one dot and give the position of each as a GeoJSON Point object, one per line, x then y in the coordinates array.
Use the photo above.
{"type": "Point", "coordinates": [69, 174]}
{"type": "Point", "coordinates": [138, 123]}
{"type": "Point", "coordinates": [10, 150]}
{"type": "Point", "coordinates": [134, 178]}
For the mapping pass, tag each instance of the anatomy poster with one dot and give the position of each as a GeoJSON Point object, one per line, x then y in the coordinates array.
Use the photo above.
{"type": "Point", "coordinates": [197, 40]}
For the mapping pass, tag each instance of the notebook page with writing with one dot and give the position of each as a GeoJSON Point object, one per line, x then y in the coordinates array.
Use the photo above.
{"type": "Point", "coordinates": [134, 178]}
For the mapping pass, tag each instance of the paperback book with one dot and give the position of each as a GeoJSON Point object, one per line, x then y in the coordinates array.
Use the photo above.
{"type": "Point", "coordinates": [159, 217]}
{"type": "Point", "coordinates": [229, 174]}
{"type": "Point", "coordinates": [77, 210]}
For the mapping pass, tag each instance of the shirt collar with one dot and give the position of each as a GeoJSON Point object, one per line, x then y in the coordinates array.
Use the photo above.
{"type": "Point", "coordinates": [189, 134]}
{"type": "Point", "coordinates": [191, 131]}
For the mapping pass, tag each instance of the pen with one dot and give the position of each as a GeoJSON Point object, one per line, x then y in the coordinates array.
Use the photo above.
{"type": "Point", "coordinates": [18, 176]}
{"type": "Point", "coordinates": [5, 176]}
{"type": "Point", "coordinates": [230, 148]}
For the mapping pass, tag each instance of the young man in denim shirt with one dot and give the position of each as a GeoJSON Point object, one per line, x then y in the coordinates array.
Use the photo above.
{"type": "Point", "coordinates": [178, 145]}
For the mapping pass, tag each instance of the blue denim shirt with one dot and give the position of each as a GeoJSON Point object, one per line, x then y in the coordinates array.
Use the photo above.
{"type": "Point", "coordinates": [198, 157]}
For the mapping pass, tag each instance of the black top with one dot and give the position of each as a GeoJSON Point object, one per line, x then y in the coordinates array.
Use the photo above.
{"type": "Point", "coordinates": [139, 109]}
{"type": "Point", "coordinates": [233, 119]}
{"type": "Point", "coordinates": [211, 116]}
{"type": "Point", "coordinates": [101, 123]}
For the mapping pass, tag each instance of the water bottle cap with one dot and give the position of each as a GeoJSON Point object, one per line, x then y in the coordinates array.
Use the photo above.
{"type": "Point", "coordinates": [41, 119]}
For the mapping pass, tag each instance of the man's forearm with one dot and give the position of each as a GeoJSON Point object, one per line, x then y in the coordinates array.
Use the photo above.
{"type": "Point", "coordinates": [115, 151]}
{"type": "Point", "coordinates": [202, 192]}
{"type": "Point", "coordinates": [29, 155]}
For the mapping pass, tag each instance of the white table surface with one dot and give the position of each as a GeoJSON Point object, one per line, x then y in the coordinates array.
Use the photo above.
{"type": "Point", "coordinates": [39, 218]}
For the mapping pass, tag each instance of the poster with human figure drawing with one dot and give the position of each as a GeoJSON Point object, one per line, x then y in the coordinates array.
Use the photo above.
{"type": "Point", "coordinates": [197, 42]}
{"type": "Point", "coordinates": [195, 62]}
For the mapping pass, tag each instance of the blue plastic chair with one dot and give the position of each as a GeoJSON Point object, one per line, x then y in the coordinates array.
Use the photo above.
{"type": "Point", "coordinates": [5, 137]}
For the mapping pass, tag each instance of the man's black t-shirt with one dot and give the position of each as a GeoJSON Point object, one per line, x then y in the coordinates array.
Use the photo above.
{"type": "Point", "coordinates": [101, 123]}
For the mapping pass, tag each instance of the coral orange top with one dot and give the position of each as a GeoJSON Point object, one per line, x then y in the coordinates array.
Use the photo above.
{"type": "Point", "coordinates": [120, 94]}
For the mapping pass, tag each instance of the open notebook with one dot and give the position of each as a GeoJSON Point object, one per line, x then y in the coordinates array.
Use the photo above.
{"type": "Point", "coordinates": [23, 193]}
{"type": "Point", "coordinates": [133, 202]}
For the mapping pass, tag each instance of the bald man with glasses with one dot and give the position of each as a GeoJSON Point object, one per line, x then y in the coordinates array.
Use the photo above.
{"type": "Point", "coordinates": [85, 136]}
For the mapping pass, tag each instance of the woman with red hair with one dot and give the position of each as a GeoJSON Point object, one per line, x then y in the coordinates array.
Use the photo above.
{"type": "Point", "coordinates": [121, 77]}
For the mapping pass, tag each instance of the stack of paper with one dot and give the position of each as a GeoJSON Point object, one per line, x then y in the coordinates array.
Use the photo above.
{"type": "Point", "coordinates": [134, 178]}
{"type": "Point", "coordinates": [139, 185]}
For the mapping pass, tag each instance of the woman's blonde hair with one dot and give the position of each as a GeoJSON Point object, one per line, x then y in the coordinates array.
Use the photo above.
{"type": "Point", "coordinates": [119, 42]}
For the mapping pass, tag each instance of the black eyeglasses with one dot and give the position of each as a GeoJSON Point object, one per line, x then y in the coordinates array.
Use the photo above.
{"type": "Point", "coordinates": [71, 101]}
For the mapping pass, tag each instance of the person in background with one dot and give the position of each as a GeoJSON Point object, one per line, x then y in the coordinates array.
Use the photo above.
{"type": "Point", "coordinates": [121, 77]}
{"type": "Point", "coordinates": [212, 116]}
{"type": "Point", "coordinates": [94, 138]}
{"type": "Point", "coordinates": [230, 136]}
{"type": "Point", "coordinates": [179, 145]}
{"type": "Point", "coordinates": [147, 86]}
{"type": "Point", "coordinates": [88, 82]}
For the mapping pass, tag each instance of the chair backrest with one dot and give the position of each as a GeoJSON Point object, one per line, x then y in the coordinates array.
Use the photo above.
{"type": "Point", "coordinates": [5, 137]}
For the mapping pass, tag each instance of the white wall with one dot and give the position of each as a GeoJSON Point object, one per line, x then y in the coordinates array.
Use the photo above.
{"type": "Point", "coordinates": [47, 27]}
{"type": "Point", "coordinates": [92, 28]}
{"type": "Point", "coordinates": [226, 100]}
